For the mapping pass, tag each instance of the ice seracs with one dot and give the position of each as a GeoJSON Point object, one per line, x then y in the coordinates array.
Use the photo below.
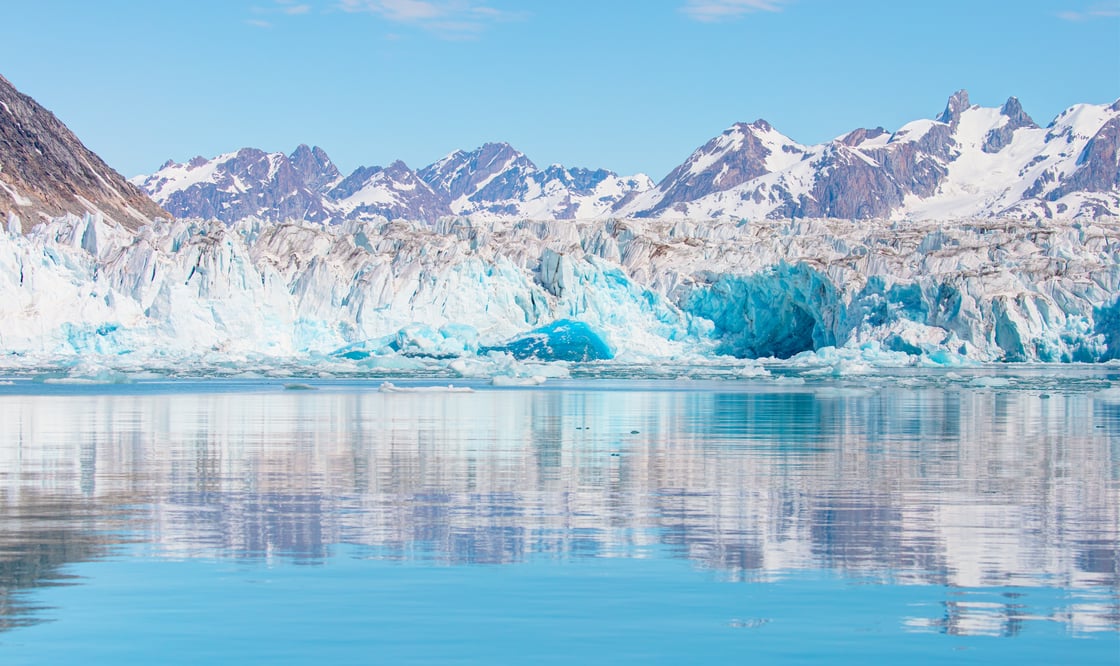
{"type": "Point", "coordinates": [405, 295]}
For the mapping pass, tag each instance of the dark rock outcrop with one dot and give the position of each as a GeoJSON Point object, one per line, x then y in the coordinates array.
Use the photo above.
{"type": "Point", "coordinates": [997, 139]}
{"type": "Point", "coordinates": [957, 104]}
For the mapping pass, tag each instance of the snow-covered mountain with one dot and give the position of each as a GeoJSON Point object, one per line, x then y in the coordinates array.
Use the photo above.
{"type": "Point", "coordinates": [493, 182]}
{"type": "Point", "coordinates": [45, 171]}
{"type": "Point", "coordinates": [969, 161]}
{"type": "Point", "coordinates": [247, 183]}
{"type": "Point", "coordinates": [496, 181]}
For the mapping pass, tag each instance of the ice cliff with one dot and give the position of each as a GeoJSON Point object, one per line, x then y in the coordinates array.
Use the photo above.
{"type": "Point", "coordinates": [384, 294]}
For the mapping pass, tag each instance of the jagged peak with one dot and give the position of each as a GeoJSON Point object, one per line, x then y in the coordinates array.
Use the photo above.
{"type": "Point", "coordinates": [761, 125]}
{"type": "Point", "coordinates": [1014, 111]}
{"type": "Point", "coordinates": [399, 167]}
{"type": "Point", "coordinates": [957, 104]}
{"type": "Point", "coordinates": [856, 137]}
{"type": "Point", "coordinates": [250, 152]}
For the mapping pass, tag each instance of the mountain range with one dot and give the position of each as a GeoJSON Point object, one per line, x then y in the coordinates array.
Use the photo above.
{"type": "Point", "coordinates": [968, 161]}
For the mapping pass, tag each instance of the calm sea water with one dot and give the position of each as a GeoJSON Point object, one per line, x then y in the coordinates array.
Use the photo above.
{"type": "Point", "coordinates": [914, 519]}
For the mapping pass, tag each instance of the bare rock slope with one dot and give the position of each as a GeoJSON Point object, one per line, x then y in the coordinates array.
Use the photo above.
{"type": "Point", "coordinates": [45, 171]}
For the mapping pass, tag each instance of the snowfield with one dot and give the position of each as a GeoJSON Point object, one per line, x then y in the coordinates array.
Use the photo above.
{"type": "Point", "coordinates": [526, 298]}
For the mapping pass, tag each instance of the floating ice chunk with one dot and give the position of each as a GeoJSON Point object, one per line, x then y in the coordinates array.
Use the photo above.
{"type": "Point", "coordinates": [503, 380]}
{"type": "Point", "coordinates": [498, 364]}
{"type": "Point", "coordinates": [751, 371]}
{"type": "Point", "coordinates": [990, 382]}
{"type": "Point", "coordinates": [563, 340]}
{"type": "Point", "coordinates": [1110, 394]}
{"type": "Point", "coordinates": [843, 392]}
{"type": "Point", "coordinates": [389, 387]}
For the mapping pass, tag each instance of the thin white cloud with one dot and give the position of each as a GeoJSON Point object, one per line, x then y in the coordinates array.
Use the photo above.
{"type": "Point", "coordinates": [1097, 11]}
{"type": "Point", "coordinates": [712, 11]}
{"type": "Point", "coordinates": [288, 7]}
{"type": "Point", "coordinates": [454, 19]}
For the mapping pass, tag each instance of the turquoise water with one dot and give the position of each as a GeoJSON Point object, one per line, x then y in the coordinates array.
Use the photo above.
{"type": "Point", "coordinates": [922, 517]}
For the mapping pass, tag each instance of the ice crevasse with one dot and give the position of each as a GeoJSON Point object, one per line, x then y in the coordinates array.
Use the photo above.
{"type": "Point", "coordinates": [621, 290]}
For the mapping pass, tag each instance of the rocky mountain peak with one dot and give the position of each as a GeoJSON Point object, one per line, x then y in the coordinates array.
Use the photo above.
{"type": "Point", "coordinates": [1015, 113]}
{"type": "Point", "coordinates": [856, 137]}
{"type": "Point", "coordinates": [957, 104]}
{"type": "Point", "coordinates": [314, 167]}
{"type": "Point", "coordinates": [469, 174]}
{"type": "Point", "coordinates": [1001, 136]}
{"type": "Point", "coordinates": [761, 125]}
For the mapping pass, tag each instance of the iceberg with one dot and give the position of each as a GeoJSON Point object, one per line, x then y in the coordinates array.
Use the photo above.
{"type": "Point", "coordinates": [563, 340]}
{"type": "Point", "coordinates": [483, 299]}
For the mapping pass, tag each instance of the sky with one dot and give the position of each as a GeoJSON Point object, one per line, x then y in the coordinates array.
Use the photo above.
{"type": "Point", "coordinates": [628, 85]}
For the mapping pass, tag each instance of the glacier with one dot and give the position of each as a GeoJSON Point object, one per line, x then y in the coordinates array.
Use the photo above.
{"type": "Point", "coordinates": [530, 298]}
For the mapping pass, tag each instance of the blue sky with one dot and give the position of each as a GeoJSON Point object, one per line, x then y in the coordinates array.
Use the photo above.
{"type": "Point", "coordinates": [626, 85]}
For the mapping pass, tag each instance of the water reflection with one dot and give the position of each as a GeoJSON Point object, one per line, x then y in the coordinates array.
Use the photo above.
{"type": "Point", "coordinates": [944, 486]}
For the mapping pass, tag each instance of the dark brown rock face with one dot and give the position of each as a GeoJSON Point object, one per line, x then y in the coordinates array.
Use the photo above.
{"type": "Point", "coordinates": [45, 171]}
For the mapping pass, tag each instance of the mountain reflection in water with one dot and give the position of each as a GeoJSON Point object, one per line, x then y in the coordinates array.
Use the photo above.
{"type": "Point", "coordinates": [943, 486]}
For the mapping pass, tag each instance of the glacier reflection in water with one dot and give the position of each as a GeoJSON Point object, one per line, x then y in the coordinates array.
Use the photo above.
{"type": "Point", "coordinates": [994, 513]}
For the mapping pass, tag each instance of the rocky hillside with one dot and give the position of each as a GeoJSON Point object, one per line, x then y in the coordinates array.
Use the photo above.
{"type": "Point", "coordinates": [46, 172]}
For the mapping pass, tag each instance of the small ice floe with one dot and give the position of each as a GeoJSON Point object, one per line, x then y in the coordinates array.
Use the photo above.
{"type": "Point", "coordinates": [843, 392]}
{"type": "Point", "coordinates": [1110, 394]}
{"type": "Point", "coordinates": [505, 380]}
{"type": "Point", "coordinates": [990, 382]}
{"type": "Point", "coordinates": [389, 387]}
{"type": "Point", "coordinates": [752, 371]}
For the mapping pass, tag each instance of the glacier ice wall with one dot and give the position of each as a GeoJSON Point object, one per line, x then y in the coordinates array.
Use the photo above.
{"type": "Point", "coordinates": [646, 289]}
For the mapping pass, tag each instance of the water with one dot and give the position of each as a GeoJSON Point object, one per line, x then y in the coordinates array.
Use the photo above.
{"type": "Point", "coordinates": [923, 518]}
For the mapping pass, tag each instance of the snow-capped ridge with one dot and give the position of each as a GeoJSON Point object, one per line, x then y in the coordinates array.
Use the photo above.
{"type": "Point", "coordinates": [968, 161]}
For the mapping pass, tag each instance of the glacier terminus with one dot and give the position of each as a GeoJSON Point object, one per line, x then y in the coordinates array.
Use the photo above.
{"type": "Point", "coordinates": [487, 297]}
